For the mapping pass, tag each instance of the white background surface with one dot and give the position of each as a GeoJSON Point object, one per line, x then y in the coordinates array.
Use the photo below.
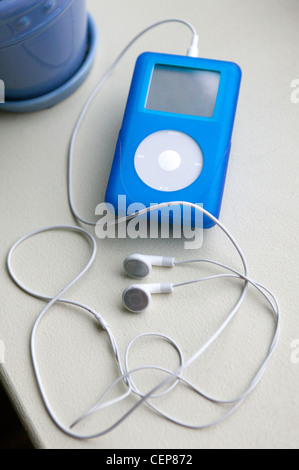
{"type": "Point", "coordinates": [260, 208]}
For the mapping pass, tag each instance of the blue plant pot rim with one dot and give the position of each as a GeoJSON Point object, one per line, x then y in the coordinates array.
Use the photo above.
{"type": "Point", "coordinates": [64, 91]}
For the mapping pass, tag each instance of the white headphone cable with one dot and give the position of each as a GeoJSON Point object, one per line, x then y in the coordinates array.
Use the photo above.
{"type": "Point", "coordinates": [238, 400]}
{"type": "Point", "coordinates": [125, 375]}
{"type": "Point", "coordinates": [192, 51]}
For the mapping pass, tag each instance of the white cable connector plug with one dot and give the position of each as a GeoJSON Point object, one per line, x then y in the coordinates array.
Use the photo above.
{"type": "Point", "coordinates": [193, 49]}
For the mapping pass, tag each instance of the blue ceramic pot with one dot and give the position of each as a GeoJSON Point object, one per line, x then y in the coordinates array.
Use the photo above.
{"type": "Point", "coordinates": [42, 44]}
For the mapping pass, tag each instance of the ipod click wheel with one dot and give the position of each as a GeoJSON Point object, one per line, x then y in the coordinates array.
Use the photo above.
{"type": "Point", "coordinates": [168, 160]}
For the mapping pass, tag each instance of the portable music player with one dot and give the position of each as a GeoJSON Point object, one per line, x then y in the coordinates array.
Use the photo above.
{"type": "Point", "coordinates": [175, 138]}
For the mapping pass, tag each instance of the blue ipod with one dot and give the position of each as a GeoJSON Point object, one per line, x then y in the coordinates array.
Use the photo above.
{"type": "Point", "coordinates": [175, 138]}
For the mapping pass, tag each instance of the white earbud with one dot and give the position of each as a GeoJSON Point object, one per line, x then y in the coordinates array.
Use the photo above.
{"type": "Point", "coordinates": [137, 297]}
{"type": "Point", "coordinates": [140, 266]}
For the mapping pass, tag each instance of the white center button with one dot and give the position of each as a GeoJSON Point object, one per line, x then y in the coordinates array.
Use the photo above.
{"type": "Point", "coordinates": [169, 160]}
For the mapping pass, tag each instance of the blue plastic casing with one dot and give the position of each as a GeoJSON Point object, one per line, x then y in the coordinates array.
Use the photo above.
{"type": "Point", "coordinates": [213, 135]}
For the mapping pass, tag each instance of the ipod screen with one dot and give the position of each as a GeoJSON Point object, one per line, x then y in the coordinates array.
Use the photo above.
{"type": "Point", "coordinates": [183, 90]}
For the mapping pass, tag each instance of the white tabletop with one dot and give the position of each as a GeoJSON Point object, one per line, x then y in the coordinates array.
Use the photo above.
{"type": "Point", "coordinates": [260, 208]}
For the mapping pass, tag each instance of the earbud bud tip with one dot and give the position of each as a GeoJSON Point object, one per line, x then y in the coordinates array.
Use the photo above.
{"type": "Point", "coordinates": [137, 266]}
{"type": "Point", "coordinates": [135, 299]}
